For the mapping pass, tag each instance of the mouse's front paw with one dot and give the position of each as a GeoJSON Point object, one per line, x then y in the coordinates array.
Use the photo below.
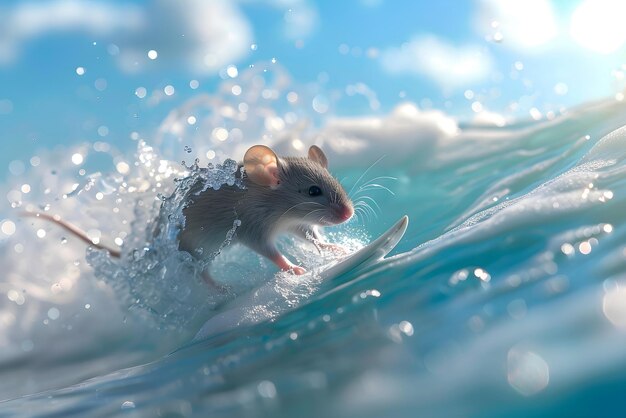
{"type": "Point", "coordinates": [286, 265]}
{"type": "Point", "coordinates": [297, 270]}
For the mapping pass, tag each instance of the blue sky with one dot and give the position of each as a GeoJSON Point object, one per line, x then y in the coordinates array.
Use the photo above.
{"type": "Point", "coordinates": [510, 58]}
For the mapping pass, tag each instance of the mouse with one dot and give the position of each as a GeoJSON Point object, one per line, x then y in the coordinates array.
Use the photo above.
{"type": "Point", "coordinates": [280, 195]}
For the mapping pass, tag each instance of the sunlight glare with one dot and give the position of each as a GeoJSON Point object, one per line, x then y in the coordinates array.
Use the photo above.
{"type": "Point", "coordinates": [598, 25]}
{"type": "Point", "coordinates": [522, 24]}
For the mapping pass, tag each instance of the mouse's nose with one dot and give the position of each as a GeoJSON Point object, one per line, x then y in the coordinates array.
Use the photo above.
{"type": "Point", "coordinates": [345, 212]}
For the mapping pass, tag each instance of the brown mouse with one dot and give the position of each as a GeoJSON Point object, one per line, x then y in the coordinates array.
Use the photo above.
{"type": "Point", "coordinates": [286, 195]}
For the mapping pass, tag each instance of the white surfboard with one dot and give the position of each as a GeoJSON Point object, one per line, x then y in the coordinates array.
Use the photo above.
{"type": "Point", "coordinates": [268, 300]}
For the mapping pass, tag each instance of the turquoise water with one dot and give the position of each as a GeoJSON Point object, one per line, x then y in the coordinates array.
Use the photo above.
{"type": "Point", "coordinates": [505, 297]}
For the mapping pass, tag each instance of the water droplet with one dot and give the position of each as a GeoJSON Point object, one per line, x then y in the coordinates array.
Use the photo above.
{"type": "Point", "coordinates": [561, 89]}
{"type": "Point", "coordinates": [100, 84]}
{"type": "Point", "coordinates": [221, 134]}
{"type": "Point", "coordinates": [584, 247]}
{"type": "Point", "coordinates": [406, 327]}
{"type": "Point", "coordinates": [113, 49]}
{"type": "Point", "coordinates": [128, 405]}
{"type": "Point", "coordinates": [482, 275]}
{"type": "Point", "coordinates": [141, 92]}
{"type": "Point", "coordinates": [567, 249]}
{"type": "Point", "coordinates": [232, 71]}
{"type": "Point", "coordinates": [320, 104]}
{"type": "Point", "coordinates": [17, 168]}
{"type": "Point", "coordinates": [77, 158]}
{"type": "Point", "coordinates": [53, 313]}
{"type": "Point", "coordinates": [266, 389]}
{"type": "Point", "coordinates": [8, 228]}
{"type": "Point", "coordinates": [517, 308]}
{"type": "Point", "coordinates": [528, 373]}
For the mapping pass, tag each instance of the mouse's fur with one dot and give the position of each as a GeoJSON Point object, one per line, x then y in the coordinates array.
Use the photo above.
{"type": "Point", "coordinates": [266, 211]}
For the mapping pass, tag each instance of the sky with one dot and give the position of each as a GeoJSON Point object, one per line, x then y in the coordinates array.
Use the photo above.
{"type": "Point", "coordinates": [73, 71]}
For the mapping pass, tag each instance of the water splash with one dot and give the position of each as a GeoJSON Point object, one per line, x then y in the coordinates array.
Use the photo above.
{"type": "Point", "coordinates": [153, 278]}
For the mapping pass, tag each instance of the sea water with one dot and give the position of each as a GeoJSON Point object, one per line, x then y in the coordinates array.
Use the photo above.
{"type": "Point", "coordinates": [506, 297]}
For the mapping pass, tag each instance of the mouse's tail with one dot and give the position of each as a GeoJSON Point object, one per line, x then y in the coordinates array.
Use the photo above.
{"type": "Point", "coordinates": [74, 230]}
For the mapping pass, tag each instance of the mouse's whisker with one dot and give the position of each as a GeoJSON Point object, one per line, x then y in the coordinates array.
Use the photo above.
{"type": "Point", "coordinates": [308, 216]}
{"type": "Point", "coordinates": [359, 204]}
{"type": "Point", "coordinates": [374, 186]}
{"type": "Point", "coordinates": [358, 211]}
{"type": "Point", "coordinates": [364, 209]}
{"type": "Point", "coordinates": [369, 214]}
{"type": "Point", "coordinates": [367, 208]}
{"type": "Point", "coordinates": [371, 199]}
{"type": "Point", "coordinates": [364, 204]}
{"type": "Point", "coordinates": [380, 178]}
{"type": "Point", "coordinates": [312, 212]}
{"type": "Point", "coordinates": [363, 175]}
{"type": "Point", "coordinates": [357, 215]}
{"type": "Point", "coordinates": [370, 185]}
{"type": "Point", "coordinates": [296, 205]}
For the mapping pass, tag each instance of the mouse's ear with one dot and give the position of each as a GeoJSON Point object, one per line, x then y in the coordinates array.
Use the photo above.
{"type": "Point", "coordinates": [316, 154]}
{"type": "Point", "coordinates": [261, 165]}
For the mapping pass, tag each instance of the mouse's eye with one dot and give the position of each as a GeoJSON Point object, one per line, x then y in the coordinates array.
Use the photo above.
{"type": "Point", "coordinates": [315, 191]}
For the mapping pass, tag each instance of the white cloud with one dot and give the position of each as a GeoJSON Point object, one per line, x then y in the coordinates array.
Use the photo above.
{"type": "Point", "coordinates": [26, 21]}
{"type": "Point", "coordinates": [198, 35]}
{"type": "Point", "coordinates": [448, 65]}
{"type": "Point", "coordinates": [487, 118]}
{"type": "Point", "coordinates": [405, 135]}
{"type": "Point", "coordinates": [522, 25]}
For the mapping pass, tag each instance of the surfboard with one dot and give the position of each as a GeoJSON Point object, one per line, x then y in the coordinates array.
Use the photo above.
{"type": "Point", "coordinates": [371, 253]}
{"type": "Point", "coordinates": [266, 301]}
